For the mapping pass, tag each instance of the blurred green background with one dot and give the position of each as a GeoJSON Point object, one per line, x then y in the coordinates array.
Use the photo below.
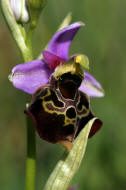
{"type": "Point", "coordinates": [103, 40]}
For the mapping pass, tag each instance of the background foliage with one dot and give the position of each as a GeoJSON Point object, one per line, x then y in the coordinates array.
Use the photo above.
{"type": "Point", "coordinates": [104, 41]}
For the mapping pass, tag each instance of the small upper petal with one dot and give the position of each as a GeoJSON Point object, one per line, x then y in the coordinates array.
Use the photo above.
{"type": "Point", "coordinates": [51, 59]}
{"type": "Point", "coordinates": [91, 86]}
{"type": "Point", "coordinates": [29, 76]}
{"type": "Point", "coordinates": [61, 41]}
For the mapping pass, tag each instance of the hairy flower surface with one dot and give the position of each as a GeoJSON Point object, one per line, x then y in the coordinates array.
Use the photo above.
{"type": "Point", "coordinates": [60, 105]}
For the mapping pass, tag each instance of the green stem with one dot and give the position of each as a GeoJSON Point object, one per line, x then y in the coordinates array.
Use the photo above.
{"type": "Point", "coordinates": [24, 43]}
{"type": "Point", "coordinates": [29, 37]}
{"type": "Point", "coordinates": [31, 156]}
{"type": "Point", "coordinates": [31, 140]}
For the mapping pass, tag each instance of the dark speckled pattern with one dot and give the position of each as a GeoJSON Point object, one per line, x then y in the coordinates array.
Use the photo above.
{"type": "Point", "coordinates": [60, 113]}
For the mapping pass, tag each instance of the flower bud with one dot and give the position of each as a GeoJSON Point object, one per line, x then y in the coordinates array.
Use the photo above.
{"type": "Point", "coordinates": [37, 4]}
{"type": "Point", "coordinates": [19, 10]}
{"type": "Point", "coordinates": [35, 8]}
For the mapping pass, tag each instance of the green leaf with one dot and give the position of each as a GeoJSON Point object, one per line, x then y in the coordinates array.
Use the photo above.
{"type": "Point", "coordinates": [69, 163]}
{"type": "Point", "coordinates": [66, 21]}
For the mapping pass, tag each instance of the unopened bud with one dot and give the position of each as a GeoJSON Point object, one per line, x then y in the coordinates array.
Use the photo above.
{"type": "Point", "coordinates": [35, 8]}
{"type": "Point", "coordinates": [19, 10]}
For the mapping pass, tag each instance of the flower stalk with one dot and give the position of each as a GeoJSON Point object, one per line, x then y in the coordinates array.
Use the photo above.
{"type": "Point", "coordinates": [19, 34]}
{"type": "Point", "coordinates": [31, 156]}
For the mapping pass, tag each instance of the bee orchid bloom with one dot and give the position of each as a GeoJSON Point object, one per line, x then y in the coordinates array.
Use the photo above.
{"type": "Point", "coordinates": [60, 104]}
{"type": "Point", "coordinates": [29, 76]}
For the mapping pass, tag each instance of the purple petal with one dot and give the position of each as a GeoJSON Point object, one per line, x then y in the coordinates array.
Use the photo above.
{"type": "Point", "coordinates": [91, 86]}
{"type": "Point", "coordinates": [29, 76]}
{"type": "Point", "coordinates": [61, 41]}
{"type": "Point", "coordinates": [51, 59]}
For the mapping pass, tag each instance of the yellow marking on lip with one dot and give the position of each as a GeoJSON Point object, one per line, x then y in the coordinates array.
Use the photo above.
{"type": "Point", "coordinates": [67, 120]}
{"type": "Point", "coordinates": [83, 108]}
{"type": "Point", "coordinates": [47, 94]}
{"type": "Point", "coordinates": [44, 103]}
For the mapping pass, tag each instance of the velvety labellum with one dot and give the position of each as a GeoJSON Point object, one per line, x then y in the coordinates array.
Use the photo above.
{"type": "Point", "coordinates": [60, 111]}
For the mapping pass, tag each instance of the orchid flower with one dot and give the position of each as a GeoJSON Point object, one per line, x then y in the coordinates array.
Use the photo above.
{"type": "Point", "coordinates": [59, 110]}
{"type": "Point", "coordinates": [29, 76]}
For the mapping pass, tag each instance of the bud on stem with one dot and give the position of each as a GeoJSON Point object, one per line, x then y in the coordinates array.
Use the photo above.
{"type": "Point", "coordinates": [19, 10]}
{"type": "Point", "coordinates": [35, 8]}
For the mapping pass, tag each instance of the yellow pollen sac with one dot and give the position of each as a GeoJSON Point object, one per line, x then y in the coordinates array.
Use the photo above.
{"type": "Point", "coordinates": [82, 60]}
{"type": "Point", "coordinates": [78, 59]}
